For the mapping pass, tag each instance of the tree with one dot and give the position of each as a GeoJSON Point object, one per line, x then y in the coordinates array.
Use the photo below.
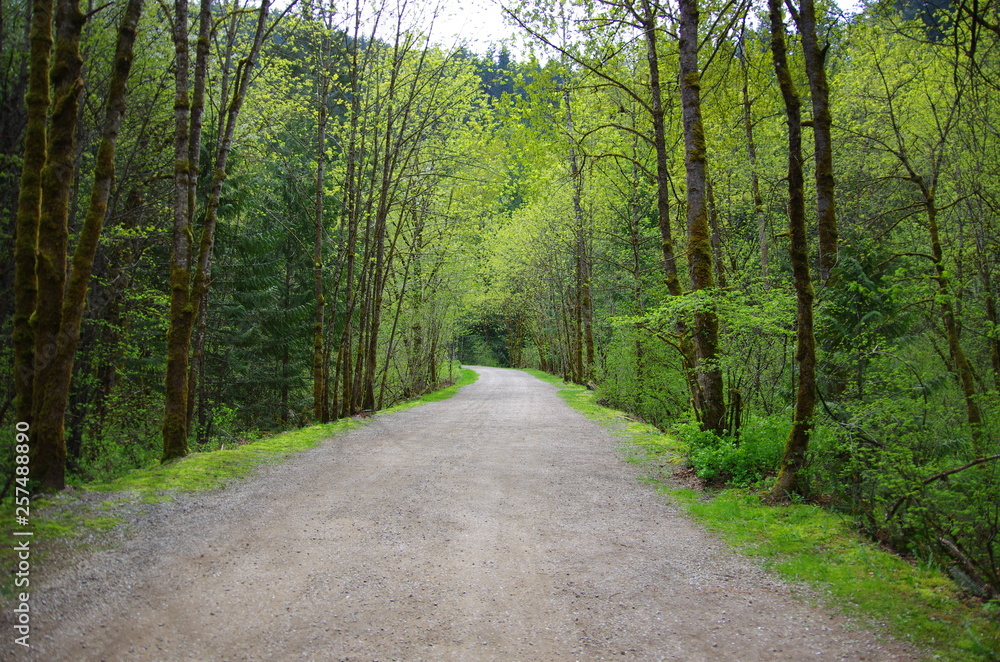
{"type": "Point", "coordinates": [815, 60]}
{"type": "Point", "coordinates": [706, 325]}
{"type": "Point", "coordinates": [60, 301]}
{"type": "Point", "coordinates": [29, 205]}
{"type": "Point", "coordinates": [187, 295]}
{"type": "Point", "coordinates": [794, 455]}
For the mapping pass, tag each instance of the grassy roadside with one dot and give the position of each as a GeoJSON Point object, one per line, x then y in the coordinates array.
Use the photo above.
{"type": "Point", "coordinates": [75, 519]}
{"type": "Point", "coordinates": [805, 544]}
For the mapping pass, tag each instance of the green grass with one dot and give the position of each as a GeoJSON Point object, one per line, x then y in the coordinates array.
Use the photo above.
{"type": "Point", "coordinates": [805, 544]}
{"type": "Point", "coordinates": [466, 376]}
{"type": "Point", "coordinates": [73, 519]}
{"type": "Point", "coordinates": [205, 471]}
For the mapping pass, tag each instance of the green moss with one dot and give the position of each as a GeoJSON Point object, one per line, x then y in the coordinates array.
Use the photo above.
{"type": "Point", "coordinates": [807, 544]}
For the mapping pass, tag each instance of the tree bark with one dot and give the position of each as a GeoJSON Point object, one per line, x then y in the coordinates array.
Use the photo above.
{"type": "Point", "coordinates": [29, 206]}
{"type": "Point", "coordinates": [186, 300]}
{"type": "Point", "coordinates": [660, 146]}
{"type": "Point", "coordinates": [826, 214]}
{"type": "Point", "coordinates": [647, 18]}
{"type": "Point", "coordinates": [706, 324]}
{"type": "Point", "coordinates": [320, 411]}
{"type": "Point", "coordinates": [581, 369]}
{"type": "Point", "coordinates": [51, 345]}
{"type": "Point", "coordinates": [797, 444]}
{"type": "Point", "coordinates": [196, 361]}
{"type": "Point", "coordinates": [175, 423]}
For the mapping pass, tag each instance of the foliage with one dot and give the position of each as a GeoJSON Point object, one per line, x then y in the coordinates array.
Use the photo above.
{"type": "Point", "coordinates": [742, 461]}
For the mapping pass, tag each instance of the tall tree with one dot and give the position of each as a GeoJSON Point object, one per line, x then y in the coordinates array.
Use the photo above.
{"type": "Point", "coordinates": [178, 337]}
{"type": "Point", "coordinates": [794, 455]}
{"type": "Point", "coordinates": [53, 237]}
{"type": "Point", "coordinates": [706, 323]}
{"type": "Point", "coordinates": [815, 59]}
{"type": "Point", "coordinates": [187, 294]}
{"type": "Point", "coordinates": [29, 205]}
{"type": "Point", "coordinates": [322, 66]}
{"type": "Point", "coordinates": [59, 306]}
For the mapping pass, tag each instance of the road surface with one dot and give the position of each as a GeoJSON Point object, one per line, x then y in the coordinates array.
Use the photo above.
{"type": "Point", "coordinates": [496, 525]}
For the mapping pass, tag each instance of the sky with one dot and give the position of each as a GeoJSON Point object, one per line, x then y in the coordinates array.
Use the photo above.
{"type": "Point", "coordinates": [480, 23]}
{"type": "Point", "coordinates": [476, 22]}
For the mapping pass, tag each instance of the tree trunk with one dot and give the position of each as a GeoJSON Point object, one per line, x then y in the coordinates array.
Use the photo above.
{"type": "Point", "coordinates": [175, 426]}
{"type": "Point", "coordinates": [648, 22]}
{"type": "Point", "coordinates": [660, 145]}
{"type": "Point", "coordinates": [805, 398]}
{"type": "Point", "coordinates": [352, 213]}
{"type": "Point", "coordinates": [198, 102]}
{"type": "Point", "coordinates": [320, 412]}
{"type": "Point", "coordinates": [581, 369]}
{"type": "Point", "coordinates": [706, 324]}
{"type": "Point", "coordinates": [195, 362]}
{"type": "Point", "coordinates": [826, 214]}
{"type": "Point", "coordinates": [758, 200]}
{"type": "Point", "coordinates": [181, 315]}
{"type": "Point", "coordinates": [51, 345]}
{"type": "Point", "coordinates": [29, 206]}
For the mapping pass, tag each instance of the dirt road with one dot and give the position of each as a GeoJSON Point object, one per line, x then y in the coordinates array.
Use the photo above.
{"type": "Point", "coordinates": [497, 525]}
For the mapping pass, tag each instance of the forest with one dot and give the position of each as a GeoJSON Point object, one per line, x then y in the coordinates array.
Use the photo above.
{"type": "Point", "coordinates": [769, 228]}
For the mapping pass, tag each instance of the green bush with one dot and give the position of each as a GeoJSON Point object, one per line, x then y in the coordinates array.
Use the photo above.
{"type": "Point", "coordinates": [913, 486]}
{"type": "Point", "coordinates": [741, 460]}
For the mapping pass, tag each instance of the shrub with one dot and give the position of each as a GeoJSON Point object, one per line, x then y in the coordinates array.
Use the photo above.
{"type": "Point", "coordinates": [742, 460]}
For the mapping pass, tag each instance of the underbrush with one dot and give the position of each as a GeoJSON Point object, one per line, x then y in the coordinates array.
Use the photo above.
{"type": "Point", "coordinates": [741, 461]}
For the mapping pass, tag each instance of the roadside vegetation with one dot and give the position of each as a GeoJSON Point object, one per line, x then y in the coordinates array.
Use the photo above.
{"type": "Point", "coordinates": [805, 544]}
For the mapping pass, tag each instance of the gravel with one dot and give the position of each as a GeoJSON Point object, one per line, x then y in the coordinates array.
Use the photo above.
{"type": "Point", "coordinates": [496, 525]}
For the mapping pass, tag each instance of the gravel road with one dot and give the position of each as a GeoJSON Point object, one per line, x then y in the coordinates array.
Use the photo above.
{"type": "Point", "coordinates": [496, 525]}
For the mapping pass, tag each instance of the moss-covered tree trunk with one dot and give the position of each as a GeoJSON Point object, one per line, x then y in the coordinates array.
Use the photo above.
{"type": "Point", "coordinates": [175, 421]}
{"type": "Point", "coordinates": [197, 359]}
{"type": "Point", "coordinates": [320, 410]}
{"type": "Point", "coordinates": [647, 19]}
{"type": "Point", "coordinates": [55, 382]}
{"type": "Point", "coordinates": [187, 297]}
{"type": "Point", "coordinates": [29, 205]}
{"type": "Point", "coordinates": [797, 444]}
{"type": "Point", "coordinates": [658, 114]}
{"type": "Point", "coordinates": [706, 323]}
{"type": "Point", "coordinates": [202, 277]}
{"type": "Point", "coordinates": [826, 214]}
{"type": "Point", "coordinates": [49, 458]}
{"type": "Point", "coordinates": [581, 367]}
